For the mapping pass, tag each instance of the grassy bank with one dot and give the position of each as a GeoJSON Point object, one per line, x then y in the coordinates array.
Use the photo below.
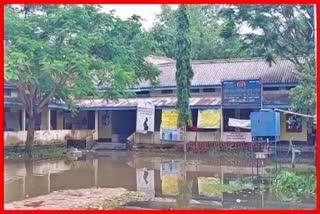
{"type": "Point", "coordinates": [39, 152]}
{"type": "Point", "coordinates": [117, 203]}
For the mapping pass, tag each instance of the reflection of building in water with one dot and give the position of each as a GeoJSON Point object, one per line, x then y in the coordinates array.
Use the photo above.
{"type": "Point", "coordinates": [145, 182]}
{"type": "Point", "coordinates": [31, 179]}
{"type": "Point", "coordinates": [170, 172]}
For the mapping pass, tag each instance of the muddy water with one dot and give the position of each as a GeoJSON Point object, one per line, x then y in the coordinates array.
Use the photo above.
{"type": "Point", "coordinates": [170, 181]}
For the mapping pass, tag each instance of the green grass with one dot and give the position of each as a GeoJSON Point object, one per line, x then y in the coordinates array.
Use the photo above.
{"type": "Point", "coordinates": [123, 200]}
{"type": "Point", "coordinates": [39, 152]}
{"type": "Point", "coordinates": [292, 184]}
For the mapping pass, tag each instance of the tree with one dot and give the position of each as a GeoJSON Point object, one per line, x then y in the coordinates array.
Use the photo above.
{"type": "Point", "coordinates": [286, 31]}
{"type": "Point", "coordinates": [66, 52]}
{"type": "Point", "coordinates": [184, 71]}
{"type": "Point", "coordinates": [205, 30]}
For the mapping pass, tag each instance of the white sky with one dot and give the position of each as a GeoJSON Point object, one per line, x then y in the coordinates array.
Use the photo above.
{"type": "Point", "coordinates": [147, 12]}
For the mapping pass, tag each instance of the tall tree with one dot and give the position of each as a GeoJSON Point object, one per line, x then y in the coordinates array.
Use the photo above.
{"type": "Point", "coordinates": [65, 52]}
{"type": "Point", "coordinates": [286, 31]}
{"type": "Point", "coordinates": [184, 71]}
{"type": "Point", "coordinates": [205, 29]}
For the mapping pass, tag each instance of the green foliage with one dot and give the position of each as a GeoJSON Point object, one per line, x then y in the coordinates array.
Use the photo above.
{"type": "Point", "coordinates": [304, 98]}
{"type": "Point", "coordinates": [74, 50]}
{"type": "Point", "coordinates": [205, 29]}
{"type": "Point", "coordinates": [285, 31]}
{"type": "Point", "coordinates": [212, 187]}
{"type": "Point", "coordinates": [40, 152]}
{"type": "Point", "coordinates": [291, 185]}
{"type": "Point", "coordinates": [67, 52]}
{"type": "Point", "coordinates": [184, 71]}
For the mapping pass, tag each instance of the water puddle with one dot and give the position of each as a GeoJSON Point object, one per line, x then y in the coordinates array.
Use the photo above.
{"type": "Point", "coordinates": [169, 181]}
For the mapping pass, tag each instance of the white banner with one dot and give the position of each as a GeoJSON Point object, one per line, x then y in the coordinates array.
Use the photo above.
{"type": "Point", "coordinates": [237, 136]}
{"type": "Point", "coordinates": [245, 124]}
{"type": "Point", "coordinates": [145, 181]}
{"type": "Point", "coordinates": [145, 116]}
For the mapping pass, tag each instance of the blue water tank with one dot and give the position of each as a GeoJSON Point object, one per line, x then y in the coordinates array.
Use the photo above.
{"type": "Point", "coordinates": [174, 136]}
{"type": "Point", "coordinates": [265, 123]}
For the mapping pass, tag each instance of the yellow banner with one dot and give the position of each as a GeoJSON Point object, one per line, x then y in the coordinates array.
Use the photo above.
{"type": "Point", "coordinates": [169, 119]}
{"type": "Point", "coordinates": [209, 119]}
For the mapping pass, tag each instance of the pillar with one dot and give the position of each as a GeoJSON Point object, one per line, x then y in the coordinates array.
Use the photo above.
{"type": "Point", "coordinates": [96, 123]}
{"type": "Point", "coordinates": [23, 119]}
{"type": "Point", "coordinates": [49, 118]}
{"type": "Point", "coordinates": [221, 124]}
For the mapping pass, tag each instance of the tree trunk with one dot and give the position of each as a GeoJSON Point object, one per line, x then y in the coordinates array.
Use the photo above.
{"type": "Point", "coordinates": [30, 135]}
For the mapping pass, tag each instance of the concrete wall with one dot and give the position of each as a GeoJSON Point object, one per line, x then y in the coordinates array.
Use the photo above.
{"type": "Point", "coordinates": [297, 136]}
{"type": "Point", "coordinates": [190, 136]}
{"type": "Point", "coordinates": [52, 137]}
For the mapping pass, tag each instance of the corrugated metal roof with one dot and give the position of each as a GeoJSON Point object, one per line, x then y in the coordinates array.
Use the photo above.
{"type": "Point", "coordinates": [214, 71]}
{"type": "Point", "coordinates": [159, 102]}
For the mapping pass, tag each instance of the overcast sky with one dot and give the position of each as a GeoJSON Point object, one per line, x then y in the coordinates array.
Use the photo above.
{"type": "Point", "coordinates": [147, 11]}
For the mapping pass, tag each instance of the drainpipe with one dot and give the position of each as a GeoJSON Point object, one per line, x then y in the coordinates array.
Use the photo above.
{"type": "Point", "coordinates": [49, 118]}
{"type": "Point", "coordinates": [23, 119]}
{"type": "Point", "coordinates": [96, 123]}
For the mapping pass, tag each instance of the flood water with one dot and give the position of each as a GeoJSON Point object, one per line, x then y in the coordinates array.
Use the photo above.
{"type": "Point", "coordinates": [170, 181]}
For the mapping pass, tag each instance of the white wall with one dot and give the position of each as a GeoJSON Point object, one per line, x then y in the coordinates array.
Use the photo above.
{"type": "Point", "coordinates": [44, 137]}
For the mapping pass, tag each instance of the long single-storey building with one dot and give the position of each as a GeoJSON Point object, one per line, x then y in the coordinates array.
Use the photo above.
{"type": "Point", "coordinates": [115, 121]}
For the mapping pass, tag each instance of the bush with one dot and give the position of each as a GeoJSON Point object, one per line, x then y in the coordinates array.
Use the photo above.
{"type": "Point", "coordinates": [292, 185]}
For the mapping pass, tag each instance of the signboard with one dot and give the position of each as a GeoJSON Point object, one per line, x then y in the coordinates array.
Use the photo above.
{"type": "Point", "coordinates": [169, 119]}
{"type": "Point", "coordinates": [170, 172]}
{"type": "Point", "coordinates": [145, 116]}
{"type": "Point", "coordinates": [171, 134]}
{"type": "Point", "coordinates": [169, 130]}
{"type": "Point", "coordinates": [170, 169]}
{"type": "Point", "coordinates": [241, 92]}
{"type": "Point", "coordinates": [209, 119]}
{"type": "Point", "coordinates": [237, 136]}
{"type": "Point", "coordinates": [145, 182]}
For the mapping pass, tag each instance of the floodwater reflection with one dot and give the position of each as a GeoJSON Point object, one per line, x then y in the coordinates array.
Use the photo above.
{"type": "Point", "coordinates": [171, 181]}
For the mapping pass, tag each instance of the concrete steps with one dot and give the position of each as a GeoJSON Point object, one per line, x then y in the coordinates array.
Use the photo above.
{"type": "Point", "coordinates": [109, 146]}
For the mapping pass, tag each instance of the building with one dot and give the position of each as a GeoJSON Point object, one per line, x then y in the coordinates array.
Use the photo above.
{"type": "Point", "coordinates": [110, 121]}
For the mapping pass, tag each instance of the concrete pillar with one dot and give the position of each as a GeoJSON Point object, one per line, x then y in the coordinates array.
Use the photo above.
{"type": "Point", "coordinates": [96, 123]}
{"type": "Point", "coordinates": [221, 124]}
{"type": "Point", "coordinates": [49, 119]}
{"type": "Point", "coordinates": [23, 119]}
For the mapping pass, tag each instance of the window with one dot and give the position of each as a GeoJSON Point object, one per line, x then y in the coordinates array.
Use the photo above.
{"type": "Point", "coordinates": [245, 115]}
{"type": "Point", "coordinates": [271, 89]}
{"type": "Point", "coordinates": [289, 87]}
{"type": "Point", "coordinates": [7, 92]}
{"type": "Point", "coordinates": [195, 90]}
{"type": "Point", "coordinates": [209, 90]}
{"type": "Point", "coordinates": [6, 109]}
{"type": "Point", "coordinates": [228, 113]}
{"type": "Point", "coordinates": [167, 92]}
{"type": "Point", "coordinates": [293, 123]}
{"type": "Point", "coordinates": [143, 94]}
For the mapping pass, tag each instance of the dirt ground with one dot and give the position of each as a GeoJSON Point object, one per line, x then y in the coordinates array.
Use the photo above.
{"type": "Point", "coordinates": [93, 198]}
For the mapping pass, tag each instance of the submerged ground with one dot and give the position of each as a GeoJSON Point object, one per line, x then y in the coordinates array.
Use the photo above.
{"type": "Point", "coordinates": [164, 181]}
